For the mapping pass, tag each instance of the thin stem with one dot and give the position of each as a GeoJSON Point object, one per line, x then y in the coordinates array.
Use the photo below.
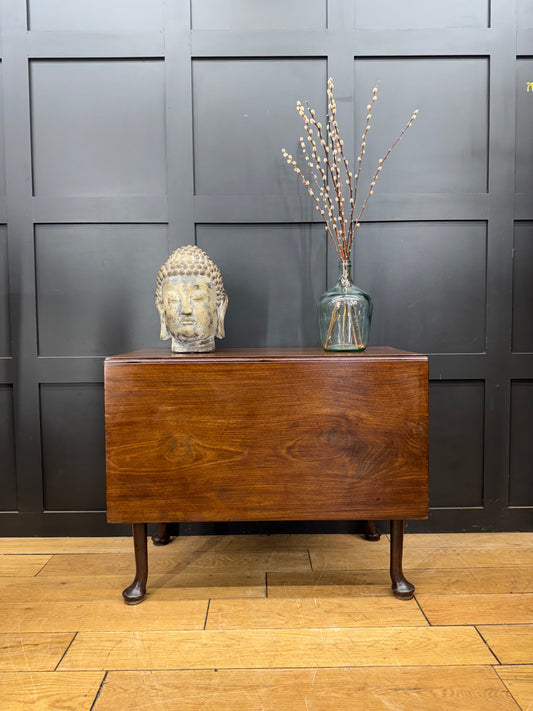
{"type": "Point", "coordinates": [377, 173]}
{"type": "Point", "coordinates": [360, 163]}
{"type": "Point", "coordinates": [336, 184]}
{"type": "Point", "coordinates": [291, 161]}
{"type": "Point", "coordinates": [343, 325]}
{"type": "Point", "coordinates": [352, 329]}
{"type": "Point", "coordinates": [331, 165]}
{"type": "Point", "coordinates": [333, 320]}
{"type": "Point", "coordinates": [356, 321]}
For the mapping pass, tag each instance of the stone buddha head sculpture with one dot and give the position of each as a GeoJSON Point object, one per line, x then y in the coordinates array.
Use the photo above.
{"type": "Point", "coordinates": [191, 301]}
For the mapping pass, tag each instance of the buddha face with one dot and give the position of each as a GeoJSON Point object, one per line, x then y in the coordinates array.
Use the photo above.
{"type": "Point", "coordinates": [189, 313]}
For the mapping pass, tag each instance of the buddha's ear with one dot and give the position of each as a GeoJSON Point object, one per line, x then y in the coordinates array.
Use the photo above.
{"type": "Point", "coordinates": [221, 312]}
{"type": "Point", "coordinates": [164, 334]}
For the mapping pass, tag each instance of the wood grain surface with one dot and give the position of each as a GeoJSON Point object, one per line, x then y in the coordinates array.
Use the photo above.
{"type": "Point", "coordinates": [170, 563]}
{"type": "Point", "coordinates": [239, 649]}
{"type": "Point", "coordinates": [407, 689]}
{"type": "Point", "coordinates": [354, 581]}
{"type": "Point", "coordinates": [47, 691]}
{"type": "Point", "coordinates": [191, 584]}
{"type": "Point", "coordinates": [490, 609]}
{"type": "Point", "coordinates": [32, 652]}
{"type": "Point", "coordinates": [512, 644]}
{"type": "Point", "coordinates": [425, 558]}
{"type": "Point", "coordinates": [519, 681]}
{"type": "Point", "coordinates": [312, 612]}
{"type": "Point", "coordinates": [363, 649]}
{"type": "Point", "coordinates": [67, 616]}
{"type": "Point", "coordinates": [266, 436]}
{"type": "Point", "coordinates": [28, 565]}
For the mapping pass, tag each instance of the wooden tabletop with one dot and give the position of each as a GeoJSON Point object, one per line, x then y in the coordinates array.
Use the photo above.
{"type": "Point", "coordinates": [263, 354]}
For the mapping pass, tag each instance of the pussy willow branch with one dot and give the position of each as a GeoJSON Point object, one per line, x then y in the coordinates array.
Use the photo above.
{"type": "Point", "coordinates": [329, 227]}
{"type": "Point", "coordinates": [377, 174]}
{"type": "Point", "coordinates": [340, 238]}
{"type": "Point", "coordinates": [332, 143]}
{"type": "Point", "coordinates": [333, 163]}
{"type": "Point", "coordinates": [324, 188]}
{"type": "Point", "coordinates": [338, 153]}
{"type": "Point", "coordinates": [360, 161]}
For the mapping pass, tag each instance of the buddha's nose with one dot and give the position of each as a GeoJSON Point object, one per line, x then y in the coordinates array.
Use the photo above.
{"type": "Point", "coordinates": [186, 307]}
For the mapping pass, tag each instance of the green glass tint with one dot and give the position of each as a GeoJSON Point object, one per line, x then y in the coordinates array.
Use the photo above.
{"type": "Point", "coordinates": [344, 314]}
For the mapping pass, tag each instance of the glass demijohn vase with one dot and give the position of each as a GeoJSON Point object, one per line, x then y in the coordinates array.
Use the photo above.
{"type": "Point", "coordinates": [344, 314]}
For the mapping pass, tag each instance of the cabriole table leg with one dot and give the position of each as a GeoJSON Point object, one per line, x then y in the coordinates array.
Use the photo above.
{"type": "Point", "coordinates": [162, 537]}
{"type": "Point", "coordinates": [401, 587]}
{"type": "Point", "coordinates": [372, 533]}
{"type": "Point", "coordinates": [136, 592]}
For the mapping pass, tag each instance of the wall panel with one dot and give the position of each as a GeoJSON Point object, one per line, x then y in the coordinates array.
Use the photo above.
{"type": "Point", "coordinates": [523, 288]}
{"type": "Point", "coordinates": [5, 331]}
{"type": "Point", "coordinates": [237, 143]}
{"type": "Point", "coordinates": [2, 147]}
{"type": "Point", "coordinates": [451, 94]}
{"type": "Point", "coordinates": [258, 15]}
{"type": "Point", "coordinates": [272, 274]}
{"type": "Point", "coordinates": [95, 286]}
{"type": "Point", "coordinates": [96, 15]}
{"type": "Point", "coordinates": [419, 14]}
{"type": "Point", "coordinates": [521, 481]}
{"type": "Point", "coordinates": [524, 12]}
{"type": "Point", "coordinates": [456, 444]}
{"type": "Point", "coordinates": [524, 126]}
{"type": "Point", "coordinates": [73, 449]}
{"type": "Point", "coordinates": [98, 127]}
{"type": "Point", "coordinates": [427, 281]}
{"type": "Point", "coordinates": [8, 477]}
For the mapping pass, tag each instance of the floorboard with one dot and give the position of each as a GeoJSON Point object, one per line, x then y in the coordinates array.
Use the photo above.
{"type": "Point", "coordinates": [22, 565]}
{"type": "Point", "coordinates": [519, 681]}
{"type": "Point", "coordinates": [170, 561]}
{"type": "Point", "coordinates": [302, 613]}
{"type": "Point", "coordinates": [427, 558]}
{"type": "Point", "coordinates": [298, 648]}
{"type": "Point", "coordinates": [32, 652]}
{"type": "Point", "coordinates": [305, 622]}
{"type": "Point", "coordinates": [192, 585]}
{"type": "Point", "coordinates": [43, 691]}
{"type": "Point", "coordinates": [404, 689]}
{"type": "Point", "coordinates": [492, 609]}
{"type": "Point", "coordinates": [111, 615]}
{"type": "Point", "coordinates": [512, 644]}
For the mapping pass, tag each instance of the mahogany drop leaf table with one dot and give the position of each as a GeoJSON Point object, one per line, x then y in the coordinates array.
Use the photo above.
{"type": "Point", "coordinates": [266, 434]}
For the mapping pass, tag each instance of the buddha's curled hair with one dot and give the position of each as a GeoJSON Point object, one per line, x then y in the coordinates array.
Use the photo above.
{"type": "Point", "coordinates": [189, 261]}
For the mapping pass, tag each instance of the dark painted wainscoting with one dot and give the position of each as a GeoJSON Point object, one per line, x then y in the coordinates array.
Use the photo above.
{"type": "Point", "coordinates": [131, 127]}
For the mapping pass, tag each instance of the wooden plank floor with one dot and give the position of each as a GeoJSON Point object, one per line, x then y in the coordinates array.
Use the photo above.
{"type": "Point", "coordinates": [305, 623]}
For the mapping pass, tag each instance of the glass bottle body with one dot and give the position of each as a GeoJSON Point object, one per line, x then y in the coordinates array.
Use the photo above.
{"type": "Point", "coordinates": [344, 314]}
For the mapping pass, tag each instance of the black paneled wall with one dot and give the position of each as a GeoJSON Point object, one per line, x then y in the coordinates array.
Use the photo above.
{"type": "Point", "coordinates": [130, 127]}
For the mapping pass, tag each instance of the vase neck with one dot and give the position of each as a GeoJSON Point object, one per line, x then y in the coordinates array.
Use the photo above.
{"type": "Point", "coordinates": [345, 272]}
